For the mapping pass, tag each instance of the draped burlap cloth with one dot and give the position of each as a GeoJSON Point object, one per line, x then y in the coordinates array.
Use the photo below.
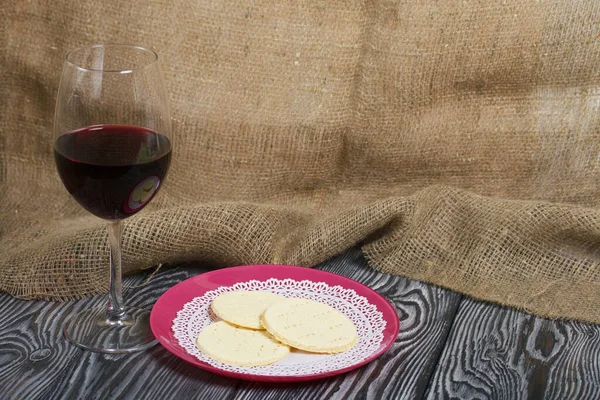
{"type": "Point", "coordinates": [458, 142]}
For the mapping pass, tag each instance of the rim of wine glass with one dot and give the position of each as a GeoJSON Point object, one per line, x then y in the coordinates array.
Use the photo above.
{"type": "Point", "coordinates": [93, 46]}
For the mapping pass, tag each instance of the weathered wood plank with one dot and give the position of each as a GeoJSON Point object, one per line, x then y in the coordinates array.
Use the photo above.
{"type": "Point", "coordinates": [36, 362]}
{"type": "Point", "coordinates": [31, 354]}
{"type": "Point", "coordinates": [497, 352]}
{"type": "Point", "coordinates": [151, 374]}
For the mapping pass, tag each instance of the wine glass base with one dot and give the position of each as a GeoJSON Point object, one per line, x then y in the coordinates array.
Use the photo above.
{"type": "Point", "coordinates": [92, 330]}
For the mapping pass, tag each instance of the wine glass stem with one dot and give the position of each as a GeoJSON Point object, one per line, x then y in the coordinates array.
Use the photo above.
{"type": "Point", "coordinates": [115, 310]}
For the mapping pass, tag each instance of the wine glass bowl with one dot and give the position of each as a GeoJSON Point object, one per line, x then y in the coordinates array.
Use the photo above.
{"type": "Point", "coordinates": [112, 147]}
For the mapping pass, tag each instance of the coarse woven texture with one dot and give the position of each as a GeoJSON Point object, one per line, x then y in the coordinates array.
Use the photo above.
{"type": "Point", "coordinates": [457, 142]}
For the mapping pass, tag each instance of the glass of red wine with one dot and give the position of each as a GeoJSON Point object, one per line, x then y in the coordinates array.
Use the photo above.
{"type": "Point", "coordinates": [112, 147]}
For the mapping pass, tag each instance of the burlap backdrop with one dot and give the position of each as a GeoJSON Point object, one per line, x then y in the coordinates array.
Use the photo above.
{"type": "Point", "coordinates": [457, 141]}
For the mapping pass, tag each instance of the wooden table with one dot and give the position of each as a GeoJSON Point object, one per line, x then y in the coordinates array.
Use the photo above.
{"type": "Point", "coordinates": [449, 347]}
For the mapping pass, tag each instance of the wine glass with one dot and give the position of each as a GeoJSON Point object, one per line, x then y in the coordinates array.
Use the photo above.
{"type": "Point", "coordinates": [112, 147]}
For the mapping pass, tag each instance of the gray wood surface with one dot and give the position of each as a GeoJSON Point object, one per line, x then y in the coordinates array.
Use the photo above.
{"type": "Point", "coordinates": [449, 347]}
{"type": "Point", "coordinates": [36, 362]}
{"type": "Point", "coordinates": [501, 353]}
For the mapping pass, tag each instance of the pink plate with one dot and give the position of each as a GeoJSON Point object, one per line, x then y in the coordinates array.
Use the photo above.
{"type": "Point", "coordinates": [184, 310]}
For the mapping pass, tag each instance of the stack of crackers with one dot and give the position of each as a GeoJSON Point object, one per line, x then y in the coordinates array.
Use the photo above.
{"type": "Point", "coordinates": [259, 328]}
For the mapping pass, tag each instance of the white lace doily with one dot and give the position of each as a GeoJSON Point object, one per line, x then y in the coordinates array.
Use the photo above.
{"type": "Point", "coordinates": [369, 322]}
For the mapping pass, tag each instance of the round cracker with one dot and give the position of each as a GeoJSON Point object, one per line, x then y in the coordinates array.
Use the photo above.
{"type": "Point", "coordinates": [244, 308]}
{"type": "Point", "coordinates": [242, 347]}
{"type": "Point", "coordinates": [309, 325]}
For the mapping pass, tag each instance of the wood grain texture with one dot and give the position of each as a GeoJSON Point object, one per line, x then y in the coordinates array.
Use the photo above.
{"type": "Point", "coordinates": [32, 352]}
{"type": "Point", "coordinates": [151, 374]}
{"type": "Point", "coordinates": [499, 353]}
{"type": "Point", "coordinates": [36, 363]}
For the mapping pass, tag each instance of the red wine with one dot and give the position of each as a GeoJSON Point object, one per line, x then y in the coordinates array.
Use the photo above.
{"type": "Point", "coordinates": [113, 171]}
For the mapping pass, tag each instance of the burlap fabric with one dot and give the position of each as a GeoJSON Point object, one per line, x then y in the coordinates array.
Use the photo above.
{"type": "Point", "coordinates": [457, 141]}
